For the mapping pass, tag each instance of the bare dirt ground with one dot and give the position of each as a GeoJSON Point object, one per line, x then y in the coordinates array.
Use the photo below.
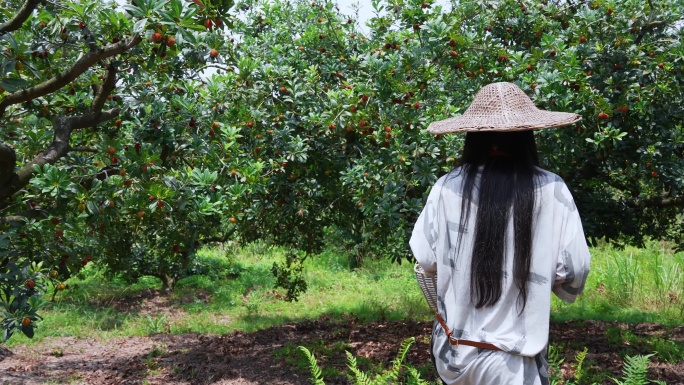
{"type": "Point", "coordinates": [247, 358]}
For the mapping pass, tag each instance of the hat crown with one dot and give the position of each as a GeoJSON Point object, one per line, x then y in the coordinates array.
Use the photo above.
{"type": "Point", "coordinates": [500, 98]}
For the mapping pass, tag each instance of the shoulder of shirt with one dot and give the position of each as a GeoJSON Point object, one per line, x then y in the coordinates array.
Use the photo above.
{"type": "Point", "coordinates": [450, 179]}
{"type": "Point", "coordinates": [547, 177]}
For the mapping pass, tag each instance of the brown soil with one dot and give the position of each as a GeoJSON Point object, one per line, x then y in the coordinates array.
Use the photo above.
{"type": "Point", "coordinates": [248, 358]}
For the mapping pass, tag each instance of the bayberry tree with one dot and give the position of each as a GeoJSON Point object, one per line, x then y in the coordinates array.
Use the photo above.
{"type": "Point", "coordinates": [92, 143]}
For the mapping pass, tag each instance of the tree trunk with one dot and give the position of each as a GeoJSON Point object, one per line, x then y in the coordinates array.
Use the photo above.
{"type": "Point", "coordinates": [168, 282]}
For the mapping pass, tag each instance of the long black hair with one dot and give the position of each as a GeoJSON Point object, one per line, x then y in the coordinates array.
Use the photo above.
{"type": "Point", "coordinates": [506, 163]}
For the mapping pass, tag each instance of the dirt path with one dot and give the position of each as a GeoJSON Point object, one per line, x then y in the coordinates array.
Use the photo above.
{"type": "Point", "coordinates": [247, 358]}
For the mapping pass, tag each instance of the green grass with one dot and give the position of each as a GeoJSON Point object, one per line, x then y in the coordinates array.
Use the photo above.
{"type": "Point", "coordinates": [630, 285]}
{"type": "Point", "coordinates": [236, 293]}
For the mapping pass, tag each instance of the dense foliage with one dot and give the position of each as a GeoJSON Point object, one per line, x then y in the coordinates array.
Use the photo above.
{"type": "Point", "coordinates": [120, 148]}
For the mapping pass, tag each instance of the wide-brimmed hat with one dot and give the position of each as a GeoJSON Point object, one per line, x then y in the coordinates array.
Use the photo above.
{"type": "Point", "coordinates": [502, 107]}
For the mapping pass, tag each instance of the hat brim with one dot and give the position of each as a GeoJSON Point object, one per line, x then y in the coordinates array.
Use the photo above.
{"type": "Point", "coordinates": [511, 122]}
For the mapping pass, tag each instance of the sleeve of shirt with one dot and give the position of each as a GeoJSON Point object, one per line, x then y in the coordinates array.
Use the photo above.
{"type": "Point", "coordinates": [573, 262]}
{"type": "Point", "coordinates": [423, 240]}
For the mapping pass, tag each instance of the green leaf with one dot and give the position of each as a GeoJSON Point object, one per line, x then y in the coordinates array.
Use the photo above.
{"type": "Point", "coordinates": [140, 25]}
{"type": "Point", "coordinates": [13, 84]}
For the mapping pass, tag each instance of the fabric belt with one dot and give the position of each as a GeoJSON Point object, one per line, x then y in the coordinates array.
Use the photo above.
{"type": "Point", "coordinates": [456, 341]}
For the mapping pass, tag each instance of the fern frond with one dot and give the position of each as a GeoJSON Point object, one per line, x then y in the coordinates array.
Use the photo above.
{"type": "Point", "coordinates": [360, 378]}
{"type": "Point", "coordinates": [316, 373]}
{"type": "Point", "coordinates": [555, 360]}
{"type": "Point", "coordinates": [635, 371]}
{"type": "Point", "coordinates": [393, 374]}
{"type": "Point", "coordinates": [414, 377]}
{"type": "Point", "coordinates": [579, 371]}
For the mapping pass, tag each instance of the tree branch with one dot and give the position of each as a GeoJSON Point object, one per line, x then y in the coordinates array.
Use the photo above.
{"type": "Point", "coordinates": [63, 127]}
{"type": "Point", "coordinates": [221, 239]}
{"type": "Point", "coordinates": [106, 88]}
{"type": "Point", "coordinates": [647, 28]}
{"type": "Point", "coordinates": [80, 66]}
{"type": "Point", "coordinates": [83, 149]}
{"type": "Point", "coordinates": [8, 159]}
{"type": "Point", "coordinates": [11, 218]}
{"type": "Point", "coordinates": [19, 19]}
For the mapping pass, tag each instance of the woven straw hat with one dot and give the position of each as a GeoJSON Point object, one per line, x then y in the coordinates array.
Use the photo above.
{"type": "Point", "coordinates": [502, 107]}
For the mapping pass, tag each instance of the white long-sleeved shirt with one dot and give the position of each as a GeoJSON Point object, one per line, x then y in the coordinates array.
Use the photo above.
{"type": "Point", "coordinates": [560, 263]}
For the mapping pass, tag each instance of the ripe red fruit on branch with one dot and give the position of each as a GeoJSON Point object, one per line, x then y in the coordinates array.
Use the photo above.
{"type": "Point", "coordinates": [26, 322]}
{"type": "Point", "coordinates": [157, 37]}
{"type": "Point", "coordinates": [111, 151]}
{"type": "Point", "coordinates": [30, 284]}
{"type": "Point", "coordinates": [170, 41]}
{"type": "Point", "coordinates": [81, 25]}
{"type": "Point", "coordinates": [208, 24]}
{"type": "Point", "coordinates": [582, 39]}
{"type": "Point", "coordinates": [603, 115]}
{"type": "Point", "coordinates": [233, 220]}
{"type": "Point", "coordinates": [214, 53]}
{"type": "Point", "coordinates": [416, 105]}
